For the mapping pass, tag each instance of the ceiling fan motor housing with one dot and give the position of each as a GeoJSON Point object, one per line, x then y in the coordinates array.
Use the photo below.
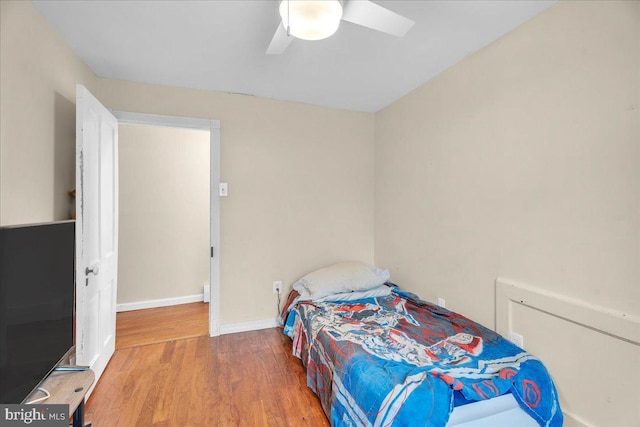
{"type": "Point", "coordinates": [311, 19]}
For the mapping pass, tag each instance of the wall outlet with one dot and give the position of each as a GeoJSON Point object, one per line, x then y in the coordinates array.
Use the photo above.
{"type": "Point", "coordinates": [277, 287]}
{"type": "Point", "coordinates": [516, 339]}
{"type": "Point", "coordinates": [441, 302]}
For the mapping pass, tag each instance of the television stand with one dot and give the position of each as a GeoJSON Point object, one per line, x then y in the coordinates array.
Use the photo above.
{"type": "Point", "coordinates": [67, 387]}
{"type": "Point", "coordinates": [71, 368]}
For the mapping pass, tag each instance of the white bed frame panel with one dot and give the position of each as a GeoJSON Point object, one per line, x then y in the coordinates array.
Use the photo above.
{"type": "Point", "coordinates": [624, 329]}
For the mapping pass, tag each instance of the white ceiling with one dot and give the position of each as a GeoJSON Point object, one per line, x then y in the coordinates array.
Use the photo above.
{"type": "Point", "coordinates": [220, 45]}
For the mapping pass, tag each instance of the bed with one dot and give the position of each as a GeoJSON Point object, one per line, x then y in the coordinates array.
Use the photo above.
{"type": "Point", "coordinates": [381, 356]}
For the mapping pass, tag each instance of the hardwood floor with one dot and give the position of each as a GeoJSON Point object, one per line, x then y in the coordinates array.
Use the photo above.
{"type": "Point", "coordinates": [243, 379]}
{"type": "Point", "coordinates": [156, 325]}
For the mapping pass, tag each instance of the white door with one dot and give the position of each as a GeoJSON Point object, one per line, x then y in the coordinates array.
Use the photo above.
{"type": "Point", "coordinates": [96, 231]}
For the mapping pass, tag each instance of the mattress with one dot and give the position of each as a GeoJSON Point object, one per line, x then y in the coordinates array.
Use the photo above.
{"type": "Point", "coordinates": [398, 360]}
{"type": "Point", "coordinates": [500, 411]}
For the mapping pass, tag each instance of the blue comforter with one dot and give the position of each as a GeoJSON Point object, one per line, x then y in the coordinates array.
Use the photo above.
{"type": "Point", "coordinates": [397, 360]}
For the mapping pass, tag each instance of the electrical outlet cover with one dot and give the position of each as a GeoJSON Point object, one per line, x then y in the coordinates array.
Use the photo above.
{"type": "Point", "coordinates": [277, 287]}
{"type": "Point", "coordinates": [516, 339]}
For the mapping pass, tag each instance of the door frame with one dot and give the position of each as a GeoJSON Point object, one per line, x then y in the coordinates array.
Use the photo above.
{"type": "Point", "coordinates": [213, 126]}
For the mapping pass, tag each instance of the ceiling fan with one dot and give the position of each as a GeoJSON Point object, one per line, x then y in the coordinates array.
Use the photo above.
{"type": "Point", "coordinates": [319, 19]}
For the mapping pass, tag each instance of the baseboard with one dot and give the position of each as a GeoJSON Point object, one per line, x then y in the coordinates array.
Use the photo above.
{"type": "Point", "coordinates": [130, 306]}
{"type": "Point", "coordinates": [571, 420]}
{"type": "Point", "coordinates": [254, 325]}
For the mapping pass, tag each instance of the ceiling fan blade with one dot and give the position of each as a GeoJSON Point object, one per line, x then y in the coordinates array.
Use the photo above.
{"type": "Point", "coordinates": [280, 41]}
{"type": "Point", "coordinates": [371, 15]}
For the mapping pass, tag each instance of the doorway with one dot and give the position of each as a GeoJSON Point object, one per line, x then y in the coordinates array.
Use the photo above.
{"type": "Point", "coordinates": [169, 221]}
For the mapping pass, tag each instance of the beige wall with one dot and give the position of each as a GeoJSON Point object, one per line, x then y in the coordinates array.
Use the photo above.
{"type": "Point", "coordinates": [164, 212]}
{"type": "Point", "coordinates": [300, 186]}
{"type": "Point", "coordinates": [523, 161]}
{"type": "Point", "coordinates": [38, 76]}
{"type": "Point", "coordinates": [300, 177]}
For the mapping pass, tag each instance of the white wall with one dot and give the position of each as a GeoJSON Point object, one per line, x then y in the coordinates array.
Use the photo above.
{"type": "Point", "coordinates": [164, 212]}
{"type": "Point", "coordinates": [523, 162]}
{"type": "Point", "coordinates": [300, 186]}
{"type": "Point", "coordinates": [38, 76]}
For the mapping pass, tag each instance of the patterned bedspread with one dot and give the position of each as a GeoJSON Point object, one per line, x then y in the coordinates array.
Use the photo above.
{"type": "Point", "coordinates": [397, 360]}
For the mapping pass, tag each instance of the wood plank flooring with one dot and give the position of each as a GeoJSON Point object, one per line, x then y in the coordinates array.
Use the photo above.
{"type": "Point", "coordinates": [243, 379]}
{"type": "Point", "coordinates": [155, 325]}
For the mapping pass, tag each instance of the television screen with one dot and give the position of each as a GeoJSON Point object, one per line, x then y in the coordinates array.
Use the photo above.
{"type": "Point", "coordinates": [37, 289]}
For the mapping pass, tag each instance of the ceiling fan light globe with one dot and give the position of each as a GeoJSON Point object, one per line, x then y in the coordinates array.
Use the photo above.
{"type": "Point", "coordinates": [311, 19]}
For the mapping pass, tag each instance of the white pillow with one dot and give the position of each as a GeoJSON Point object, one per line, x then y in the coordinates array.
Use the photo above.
{"type": "Point", "coordinates": [340, 278]}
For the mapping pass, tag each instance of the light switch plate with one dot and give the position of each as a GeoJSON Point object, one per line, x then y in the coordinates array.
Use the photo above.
{"type": "Point", "coordinates": [224, 187]}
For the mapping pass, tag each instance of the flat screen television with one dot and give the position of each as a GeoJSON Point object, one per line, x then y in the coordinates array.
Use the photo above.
{"type": "Point", "coordinates": [37, 288]}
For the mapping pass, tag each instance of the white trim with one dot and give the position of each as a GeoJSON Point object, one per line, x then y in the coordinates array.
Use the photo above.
{"type": "Point", "coordinates": [610, 322]}
{"type": "Point", "coordinates": [206, 290]}
{"type": "Point", "coordinates": [213, 126]}
{"type": "Point", "coordinates": [214, 230]}
{"type": "Point", "coordinates": [253, 325]}
{"type": "Point", "coordinates": [130, 118]}
{"type": "Point", "coordinates": [154, 303]}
